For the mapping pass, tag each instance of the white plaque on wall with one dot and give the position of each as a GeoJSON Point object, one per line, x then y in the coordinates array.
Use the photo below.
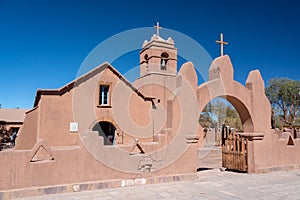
{"type": "Point", "coordinates": [74, 127]}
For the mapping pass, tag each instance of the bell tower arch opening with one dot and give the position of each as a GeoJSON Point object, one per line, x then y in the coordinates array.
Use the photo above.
{"type": "Point", "coordinates": [158, 56]}
{"type": "Point", "coordinates": [163, 61]}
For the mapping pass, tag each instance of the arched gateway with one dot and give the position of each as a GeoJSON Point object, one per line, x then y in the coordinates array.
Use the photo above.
{"type": "Point", "coordinates": [251, 104]}
{"type": "Point", "coordinates": [250, 101]}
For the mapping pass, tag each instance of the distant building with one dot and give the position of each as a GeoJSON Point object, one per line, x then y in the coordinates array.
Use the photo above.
{"type": "Point", "coordinates": [12, 119]}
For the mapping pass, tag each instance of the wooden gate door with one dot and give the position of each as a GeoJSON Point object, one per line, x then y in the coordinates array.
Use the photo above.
{"type": "Point", "coordinates": [234, 150]}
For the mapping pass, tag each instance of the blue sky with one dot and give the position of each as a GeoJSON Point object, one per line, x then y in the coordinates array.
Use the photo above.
{"type": "Point", "coordinates": [43, 43]}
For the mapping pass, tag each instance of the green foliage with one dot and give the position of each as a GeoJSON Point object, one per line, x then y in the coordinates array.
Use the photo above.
{"type": "Point", "coordinates": [283, 94]}
{"type": "Point", "coordinates": [206, 119]}
{"type": "Point", "coordinates": [233, 119]}
{"type": "Point", "coordinates": [297, 121]}
{"type": "Point", "coordinates": [217, 112]}
{"type": "Point", "coordinates": [213, 114]}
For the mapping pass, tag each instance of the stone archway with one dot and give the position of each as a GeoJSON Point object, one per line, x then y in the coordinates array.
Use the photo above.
{"type": "Point", "coordinates": [106, 130]}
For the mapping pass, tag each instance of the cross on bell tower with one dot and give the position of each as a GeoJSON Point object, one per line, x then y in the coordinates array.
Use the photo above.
{"type": "Point", "coordinates": [221, 42]}
{"type": "Point", "coordinates": [157, 28]}
{"type": "Point", "coordinates": [158, 56]}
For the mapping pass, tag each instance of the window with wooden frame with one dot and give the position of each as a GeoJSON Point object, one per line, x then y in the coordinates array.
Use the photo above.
{"type": "Point", "coordinates": [104, 95]}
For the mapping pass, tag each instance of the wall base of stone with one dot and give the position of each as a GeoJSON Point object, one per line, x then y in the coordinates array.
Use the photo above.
{"type": "Point", "coordinates": [77, 187]}
{"type": "Point", "coordinates": [277, 168]}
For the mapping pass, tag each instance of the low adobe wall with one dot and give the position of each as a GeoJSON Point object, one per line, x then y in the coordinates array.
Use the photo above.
{"type": "Point", "coordinates": [24, 169]}
{"type": "Point", "coordinates": [276, 151]}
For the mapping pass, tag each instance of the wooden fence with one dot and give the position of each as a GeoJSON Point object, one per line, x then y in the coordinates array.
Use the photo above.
{"type": "Point", "coordinates": [234, 150]}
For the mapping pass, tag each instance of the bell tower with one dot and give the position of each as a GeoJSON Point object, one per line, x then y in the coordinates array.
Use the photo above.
{"type": "Point", "coordinates": [158, 56]}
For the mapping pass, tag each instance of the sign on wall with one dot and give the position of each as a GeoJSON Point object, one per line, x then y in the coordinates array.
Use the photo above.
{"type": "Point", "coordinates": [74, 127]}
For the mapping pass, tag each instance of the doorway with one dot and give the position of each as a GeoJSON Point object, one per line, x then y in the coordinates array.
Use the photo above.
{"type": "Point", "coordinates": [217, 114]}
{"type": "Point", "coordinates": [106, 130]}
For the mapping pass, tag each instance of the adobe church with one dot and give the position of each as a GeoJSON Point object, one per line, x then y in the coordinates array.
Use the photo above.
{"type": "Point", "coordinates": [102, 131]}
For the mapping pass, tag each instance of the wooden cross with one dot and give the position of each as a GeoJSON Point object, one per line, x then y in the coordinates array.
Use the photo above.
{"type": "Point", "coordinates": [221, 42]}
{"type": "Point", "coordinates": [157, 28]}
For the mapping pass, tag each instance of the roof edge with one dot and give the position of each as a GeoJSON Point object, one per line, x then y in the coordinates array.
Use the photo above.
{"type": "Point", "coordinates": [85, 77]}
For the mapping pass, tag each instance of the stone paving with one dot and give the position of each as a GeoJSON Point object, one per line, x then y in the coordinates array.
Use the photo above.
{"type": "Point", "coordinates": [210, 157]}
{"type": "Point", "coordinates": [211, 184]}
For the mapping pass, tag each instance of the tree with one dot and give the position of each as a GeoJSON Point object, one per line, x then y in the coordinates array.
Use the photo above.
{"type": "Point", "coordinates": [217, 112]}
{"type": "Point", "coordinates": [284, 96]}
{"type": "Point", "coordinates": [233, 119]}
{"type": "Point", "coordinates": [220, 111]}
{"type": "Point", "coordinates": [206, 117]}
{"type": "Point", "coordinates": [213, 114]}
